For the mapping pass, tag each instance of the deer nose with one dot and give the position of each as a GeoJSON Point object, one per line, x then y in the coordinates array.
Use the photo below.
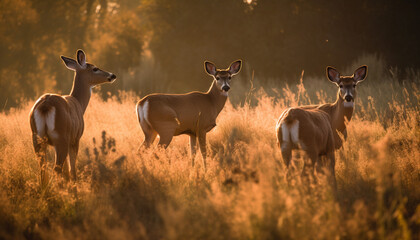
{"type": "Point", "coordinates": [348, 98]}
{"type": "Point", "coordinates": [112, 77]}
{"type": "Point", "coordinates": [225, 88]}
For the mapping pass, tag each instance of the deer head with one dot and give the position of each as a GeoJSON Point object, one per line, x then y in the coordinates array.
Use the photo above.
{"type": "Point", "coordinates": [347, 84]}
{"type": "Point", "coordinates": [223, 76]}
{"type": "Point", "coordinates": [91, 74]}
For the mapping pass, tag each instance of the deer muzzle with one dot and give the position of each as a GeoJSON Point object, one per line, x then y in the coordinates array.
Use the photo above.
{"type": "Point", "coordinates": [225, 88]}
{"type": "Point", "coordinates": [348, 98]}
{"type": "Point", "coordinates": [112, 77]}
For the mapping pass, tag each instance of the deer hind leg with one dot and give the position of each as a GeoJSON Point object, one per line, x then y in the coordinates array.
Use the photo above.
{"type": "Point", "coordinates": [166, 131]}
{"type": "Point", "coordinates": [286, 152]}
{"type": "Point", "coordinates": [40, 147]}
{"type": "Point", "coordinates": [193, 146]}
{"type": "Point", "coordinates": [61, 152]}
{"type": "Point", "coordinates": [66, 169]}
{"type": "Point", "coordinates": [165, 139]}
{"type": "Point", "coordinates": [309, 165]}
{"type": "Point", "coordinates": [74, 149]}
{"type": "Point", "coordinates": [326, 167]}
{"type": "Point", "coordinates": [149, 138]}
{"type": "Point", "coordinates": [203, 149]}
{"type": "Point", "coordinates": [149, 134]}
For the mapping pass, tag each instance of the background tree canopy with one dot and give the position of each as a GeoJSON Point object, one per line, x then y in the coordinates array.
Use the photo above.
{"type": "Point", "coordinates": [160, 45]}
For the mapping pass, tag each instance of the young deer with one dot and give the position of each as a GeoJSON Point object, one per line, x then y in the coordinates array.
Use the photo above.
{"type": "Point", "coordinates": [315, 128]}
{"type": "Point", "coordinates": [192, 113]}
{"type": "Point", "coordinates": [58, 120]}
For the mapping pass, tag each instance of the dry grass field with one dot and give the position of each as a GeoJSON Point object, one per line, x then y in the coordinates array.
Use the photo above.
{"type": "Point", "coordinates": [125, 194]}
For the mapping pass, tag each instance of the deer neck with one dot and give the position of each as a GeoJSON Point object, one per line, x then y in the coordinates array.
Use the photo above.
{"type": "Point", "coordinates": [217, 97]}
{"type": "Point", "coordinates": [81, 91]}
{"type": "Point", "coordinates": [340, 114]}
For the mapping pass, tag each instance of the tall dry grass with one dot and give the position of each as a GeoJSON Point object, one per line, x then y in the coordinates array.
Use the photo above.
{"type": "Point", "coordinates": [124, 194]}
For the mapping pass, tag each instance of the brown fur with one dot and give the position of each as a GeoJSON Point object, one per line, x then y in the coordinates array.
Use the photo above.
{"type": "Point", "coordinates": [68, 121]}
{"type": "Point", "coordinates": [339, 114]}
{"type": "Point", "coordinates": [319, 124]}
{"type": "Point", "coordinates": [315, 138]}
{"type": "Point", "coordinates": [192, 113]}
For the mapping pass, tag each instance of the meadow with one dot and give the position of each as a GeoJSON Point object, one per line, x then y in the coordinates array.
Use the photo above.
{"type": "Point", "coordinates": [245, 194]}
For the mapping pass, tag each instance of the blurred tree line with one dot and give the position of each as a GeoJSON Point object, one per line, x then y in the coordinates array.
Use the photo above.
{"type": "Point", "coordinates": [276, 39]}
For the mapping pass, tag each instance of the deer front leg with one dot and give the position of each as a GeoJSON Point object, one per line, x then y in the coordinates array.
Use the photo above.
{"type": "Point", "coordinates": [202, 143]}
{"type": "Point", "coordinates": [193, 145]}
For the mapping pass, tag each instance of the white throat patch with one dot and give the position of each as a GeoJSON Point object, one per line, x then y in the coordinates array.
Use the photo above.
{"type": "Point", "coordinates": [348, 104]}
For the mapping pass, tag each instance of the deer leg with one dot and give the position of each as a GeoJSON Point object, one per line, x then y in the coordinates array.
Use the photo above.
{"type": "Point", "coordinates": [149, 138]}
{"type": "Point", "coordinates": [66, 169]}
{"type": "Point", "coordinates": [193, 145]}
{"type": "Point", "coordinates": [149, 134]}
{"type": "Point", "coordinates": [286, 152]}
{"type": "Point", "coordinates": [74, 149]}
{"type": "Point", "coordinates": [166, 132]}
{"type": "Point", "coordinates": [61, 152]}
{"type": "Point", "coordinates": [309, 165]}
{"type": "Point", "coordinates": [202, 143]}
{"type": "Point", "coordinates": [165, 140]}
{"type": "Point", "coordinates": [40, 147]}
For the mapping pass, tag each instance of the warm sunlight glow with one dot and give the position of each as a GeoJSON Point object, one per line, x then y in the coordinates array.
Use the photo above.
{"type": "Point", "coordinates": [217, 119]}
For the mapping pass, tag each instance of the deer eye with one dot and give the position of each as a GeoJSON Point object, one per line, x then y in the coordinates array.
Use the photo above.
{"type": "Point", "coordinates": [217, 78]}
{"type": "Point", "coordinates": [341, 86]}
{"type": "Point", "coordinates": [230, 77]}
{"type": "Point", "coordinates": [95, 69]}
{"type": "Point", "coordinates": [354, 85]}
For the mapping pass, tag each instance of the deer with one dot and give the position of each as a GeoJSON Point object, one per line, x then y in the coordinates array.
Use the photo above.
{"type": "Point", "coordinates": [57, 120]}
{"type": "Point", "coordinates": [316, 129]}
{"type": "Point", "coordinates": [193, 114]}
{"type": "Point", "coordinates": [341, 111]}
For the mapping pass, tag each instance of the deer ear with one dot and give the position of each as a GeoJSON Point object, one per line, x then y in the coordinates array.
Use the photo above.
{"type": "Point", "coordinates": [360, 74]}
{"type": "Point", "coordinates": [210, 68]}
{"type": "Point", "coordinates": [81, 58]}
{"type": "Point", "coordinates": [333, 75]}
{"type": "Point", "coordinates": [235, 67]}
{"type": "Point", "coordinates": [70, 63]}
